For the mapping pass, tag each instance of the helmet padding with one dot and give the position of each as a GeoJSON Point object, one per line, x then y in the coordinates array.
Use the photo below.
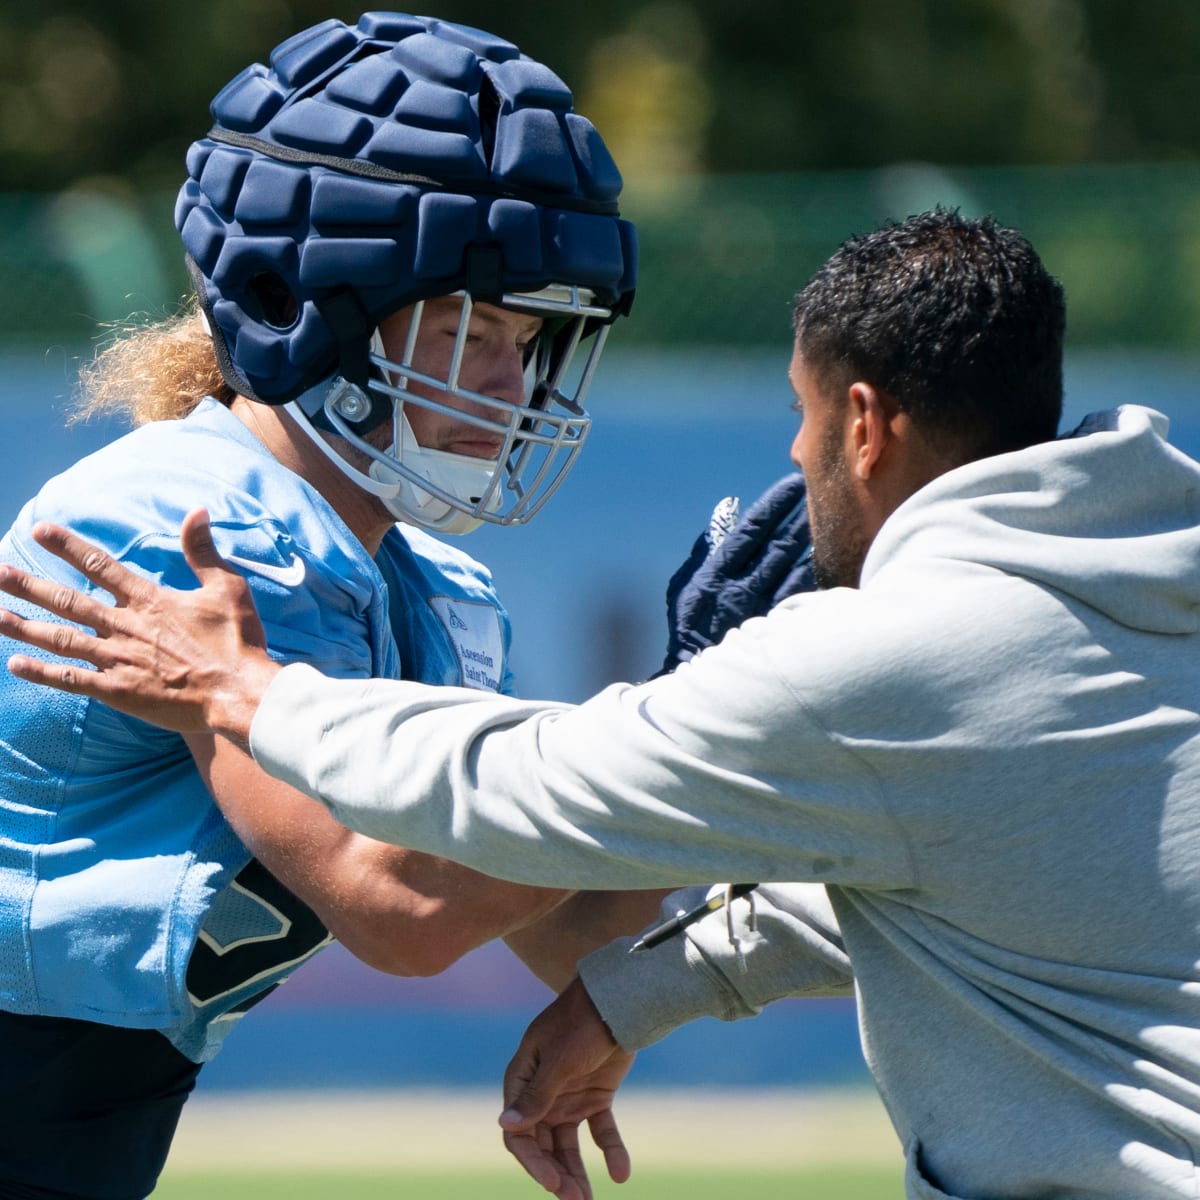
{"type": "Point", "coordinates": [369, 167]}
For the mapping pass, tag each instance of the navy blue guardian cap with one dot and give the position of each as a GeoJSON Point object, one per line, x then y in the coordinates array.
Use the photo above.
{"type": "Point", "coordinates": [369, 168]}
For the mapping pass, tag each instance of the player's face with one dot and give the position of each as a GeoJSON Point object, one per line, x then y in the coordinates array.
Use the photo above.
{"type": "Point", "coordinates": [493, 364]}
{"type": "Point", "coordinates": [835, 513]}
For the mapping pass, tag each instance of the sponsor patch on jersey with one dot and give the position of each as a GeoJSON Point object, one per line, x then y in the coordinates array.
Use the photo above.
{"type": "Point", "coordinates": [474, 631]}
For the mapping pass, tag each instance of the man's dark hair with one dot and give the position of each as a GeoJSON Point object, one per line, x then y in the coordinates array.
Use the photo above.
{"type": "Point", "coordinates": [956, 318]}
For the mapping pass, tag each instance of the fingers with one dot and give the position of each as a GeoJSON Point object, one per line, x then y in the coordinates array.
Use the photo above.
{"type": "Point", "coordinates": [570, 1160]}
{"type": "Point", "coordinates": [538, 1163]}
{"type": "Point", "coordinates": [530, 1086]}
{"type": "Point", "coordinates": [551, 1157]}
{"type": "Point", "coordinates": [551, 1092]}
{"type": "Point", "coordinates": [531, 1142]}
{"type": "Point", "coordinates": [608, 1138]}
{"type": "Point", "coordinates": [56, 675]}
{"type": "Point", "coordinates": [217, 577]}
{"type": "Point", "coordinates": [89, 560]}
{"type": "Point", "coordinates": [64, 640]}
{"type": "Point", "coordinates": [198, 546]}
{"type": "Point", "coordinates": [124, 585]}
{"type": "Point", "coordinates": [56, 598]}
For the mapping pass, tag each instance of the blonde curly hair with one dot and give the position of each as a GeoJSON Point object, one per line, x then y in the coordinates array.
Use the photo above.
{"type": "Point", "coordinates": [156, 371]}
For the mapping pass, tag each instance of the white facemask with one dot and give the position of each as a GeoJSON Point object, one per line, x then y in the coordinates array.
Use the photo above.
{"type": "Point", "coordinates": [454, 493]}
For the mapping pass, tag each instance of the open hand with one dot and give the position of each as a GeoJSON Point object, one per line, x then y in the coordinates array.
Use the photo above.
{"type": "Point", "coordinates": [188, 661]}
{"type": "Point", "coordinates": [566, 1070]}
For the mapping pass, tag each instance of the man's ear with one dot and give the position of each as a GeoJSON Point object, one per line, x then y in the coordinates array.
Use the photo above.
{"type": "Point", "coordinates": [870, 427]}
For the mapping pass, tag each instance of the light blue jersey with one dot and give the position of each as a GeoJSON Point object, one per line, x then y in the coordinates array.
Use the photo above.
{"type": "Point", "coordinates": [125, 897]}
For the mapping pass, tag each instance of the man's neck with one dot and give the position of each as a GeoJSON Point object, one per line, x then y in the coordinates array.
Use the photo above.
{"type": "Point", "coordinates": [362, 513]}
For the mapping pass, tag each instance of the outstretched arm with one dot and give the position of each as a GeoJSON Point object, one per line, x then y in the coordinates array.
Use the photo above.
{"type": "Point", "coordinates": [398, 911]}
{"type": "Point", "coordinates": [194, 660]}
{"type": "Point", "coordinates": [188, 661]}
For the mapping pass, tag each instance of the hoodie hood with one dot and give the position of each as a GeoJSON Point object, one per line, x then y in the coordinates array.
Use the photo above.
{"type": "Point", "coordinates": [1109, 514]}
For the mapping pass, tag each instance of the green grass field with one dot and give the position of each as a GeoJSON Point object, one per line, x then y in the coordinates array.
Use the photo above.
{"type": "Point", "coordinates": [431, 1145]}
{"type": "Point", "coordinates": [812, 1184]}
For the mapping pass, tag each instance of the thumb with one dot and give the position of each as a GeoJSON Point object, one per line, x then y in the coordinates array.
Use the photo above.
{"type": "Point", "coordinates": [531, 1086]}
{"type": "Point", "coordinates": [533, 1080]}
{"type": "Point", "coordinates": [198, 546]}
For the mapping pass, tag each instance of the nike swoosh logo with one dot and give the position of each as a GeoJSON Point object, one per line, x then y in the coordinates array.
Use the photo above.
{"type": "Point", "coordinates": [290, 576]}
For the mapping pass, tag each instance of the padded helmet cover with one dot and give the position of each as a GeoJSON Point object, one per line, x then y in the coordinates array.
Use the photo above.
{"type": "Point", "coordinates": [370, 167]}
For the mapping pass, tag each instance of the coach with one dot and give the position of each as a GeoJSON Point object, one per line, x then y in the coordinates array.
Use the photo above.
{"type": "Point", "coordinates": [982, 737]}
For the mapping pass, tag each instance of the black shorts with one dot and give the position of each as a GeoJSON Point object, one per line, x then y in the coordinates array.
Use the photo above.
{"type": "Point", "coordinates": [87, 1111]}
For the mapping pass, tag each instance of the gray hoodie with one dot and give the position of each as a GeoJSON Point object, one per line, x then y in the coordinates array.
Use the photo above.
{"type": "Point", "coordinates": [988, 754]}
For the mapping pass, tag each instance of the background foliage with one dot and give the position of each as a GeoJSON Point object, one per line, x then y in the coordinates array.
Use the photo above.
{"type": "Point", "coordinates": [675, 85]}
{"type": "Point", "coordinates": [721, 255]}
{"type": "Point", "coordinates": [753, 138]}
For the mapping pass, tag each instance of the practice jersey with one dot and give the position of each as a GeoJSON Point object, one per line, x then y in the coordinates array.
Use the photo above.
{"type": "Point", "coordinates": [125, 897]}
{"type": "Point", "coordinates": [444, 611]}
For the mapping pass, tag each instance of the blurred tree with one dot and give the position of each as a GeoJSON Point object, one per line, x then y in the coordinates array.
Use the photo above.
{"type": "Point", "coordinates": [675, 85]}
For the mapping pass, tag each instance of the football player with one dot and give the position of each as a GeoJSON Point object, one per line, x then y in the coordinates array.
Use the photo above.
{"type": "Point", "coordinates": [407, 254]}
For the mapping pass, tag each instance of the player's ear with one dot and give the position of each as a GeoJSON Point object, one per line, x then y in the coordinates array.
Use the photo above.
{"type": "Point", "coordinates": [871, 414]}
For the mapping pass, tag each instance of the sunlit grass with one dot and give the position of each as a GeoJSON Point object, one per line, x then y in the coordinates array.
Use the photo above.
{"type": "Point", "coordinates": [831, 1183]}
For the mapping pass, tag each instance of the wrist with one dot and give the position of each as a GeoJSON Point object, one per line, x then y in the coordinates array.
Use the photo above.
{"type": "Point", "coordinates": [230, 709]}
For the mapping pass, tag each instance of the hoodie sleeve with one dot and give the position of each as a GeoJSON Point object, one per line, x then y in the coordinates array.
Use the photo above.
{"type": "Point", "coordinates": [782, 941]}
{"type": "Point", "coordinates": [719, 771]}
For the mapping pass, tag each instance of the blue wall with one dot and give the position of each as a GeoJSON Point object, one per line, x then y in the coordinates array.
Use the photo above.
{"type": "Point", "coordinates": [584, 584]}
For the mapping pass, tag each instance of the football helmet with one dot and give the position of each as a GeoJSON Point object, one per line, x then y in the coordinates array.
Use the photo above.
{"type": "Point", "coordinates": [368, 169]}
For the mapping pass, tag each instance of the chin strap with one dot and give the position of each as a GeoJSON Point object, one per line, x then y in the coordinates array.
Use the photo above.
{"type": "Point", "coordinates": [466, 479]}
{"type": "Point", "coordinates": [312, 426]}
{"type": "Point", "coordinates": [403, 497]}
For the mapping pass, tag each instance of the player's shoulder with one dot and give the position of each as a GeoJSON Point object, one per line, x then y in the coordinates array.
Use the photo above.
{"type": "Point", "coordinates": [146, 479]}
{"type": "Point", "coordinates": [130, 498]}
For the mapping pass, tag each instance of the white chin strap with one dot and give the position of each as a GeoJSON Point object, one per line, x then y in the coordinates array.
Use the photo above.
{"type": "Point", "coordinates": [463, 477]}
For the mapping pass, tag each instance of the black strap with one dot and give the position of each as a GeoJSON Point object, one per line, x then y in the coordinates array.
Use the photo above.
{"type": "Point", "coordinates": [351, 327]}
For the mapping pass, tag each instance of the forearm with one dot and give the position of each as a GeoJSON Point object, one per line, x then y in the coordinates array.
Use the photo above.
{"type": "Point", "coordinates": [400, 911]}
{"type": "Point", "coordinates": [552, 946]}
{"type": "Point", "coordinates": [414, 914]}
{"type": "Point", "coordinates": [523, 790]}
